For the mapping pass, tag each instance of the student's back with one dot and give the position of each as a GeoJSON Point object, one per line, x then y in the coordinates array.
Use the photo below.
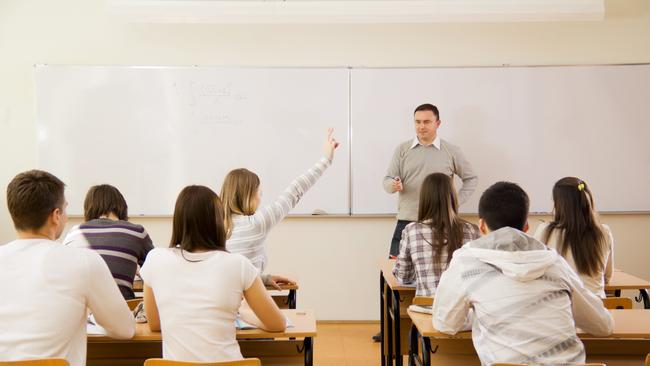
{"type": "Point", "coordinates": [577, 235]}
{"type": "Point", "coordinates": [194, 288]}
{"type": "Point", "coordinates": [198, 295]}
{"type": "Point", "coordinates": [427, 245]}
{"type": "Point", "coordinates": [46, 287]}
{"type": "Point", "coordinates": [123, 246]}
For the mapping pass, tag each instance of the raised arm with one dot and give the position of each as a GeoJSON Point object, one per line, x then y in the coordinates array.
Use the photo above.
{"type": "Point", "coordinates": [105, 300]}
{"type": "Point", "coordinates": [268, 216]}
{"type": "Point", "coordinates": [466, 173]}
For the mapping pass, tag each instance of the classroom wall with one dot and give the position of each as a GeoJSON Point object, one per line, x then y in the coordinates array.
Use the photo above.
{"type": "Point", "coordinates": [337, 257]}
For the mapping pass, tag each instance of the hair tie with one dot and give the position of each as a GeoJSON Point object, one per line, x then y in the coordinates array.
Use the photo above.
{"type": "Point", "coordinates": [581, 186]}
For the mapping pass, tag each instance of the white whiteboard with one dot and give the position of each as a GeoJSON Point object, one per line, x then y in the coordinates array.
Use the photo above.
{"type": "Point", "coordinates": [529, 125]}
{"type": "Point", "coordinates": [152, 130]}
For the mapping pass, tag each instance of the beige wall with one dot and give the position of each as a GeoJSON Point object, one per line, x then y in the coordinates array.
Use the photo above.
{"type": "Point", "coordinates": [336, 257]}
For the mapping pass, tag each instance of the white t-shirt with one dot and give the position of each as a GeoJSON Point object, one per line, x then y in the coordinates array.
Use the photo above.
{"type": "Point", "coordinates": [46, 288]}
{"type": "Point", "coordinates": [198, 296]}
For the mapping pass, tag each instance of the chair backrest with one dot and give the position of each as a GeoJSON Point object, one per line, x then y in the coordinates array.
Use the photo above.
{"type": "Point", "coordinates": [647, 360]}
{"type": "Point", "coordinates": [161, 362]}
{"type": "Point", "coordinates": [617, 302]}
{"type": "Point", "coordinates": [133, 303]}
{"type": "Point", "coordinates": [423, 301]}
{"type": "Point", "coordinates": [41, 362]}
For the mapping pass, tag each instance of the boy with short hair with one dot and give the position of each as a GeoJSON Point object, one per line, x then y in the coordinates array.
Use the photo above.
{"type": "Point", "coordinates": [47, 287]}
{"type": "Point", "coordinates": [527, 300]}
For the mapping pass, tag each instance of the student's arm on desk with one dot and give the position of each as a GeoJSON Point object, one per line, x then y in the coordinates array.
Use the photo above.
{"type": "Point", "coordinates": [609, 267]}
{"type": "Point", "coordinates": [264, 312]}
{"type": "Point", "coordinates": [451, 307]}
{"type": "Point", "coordinates": [105, 300]}
{"type": "Point", "coordinates": [151, 309]}
{"type": "Point", "coordinates": [403, 270]}
{"type": "Point", "coordinates": [589, 312]}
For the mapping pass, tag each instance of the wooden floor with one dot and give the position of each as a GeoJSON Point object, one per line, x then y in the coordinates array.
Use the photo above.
{"type": "Point", "coordinates": [343, 344]}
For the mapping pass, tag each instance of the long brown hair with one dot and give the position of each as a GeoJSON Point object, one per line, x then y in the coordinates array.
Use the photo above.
{"type": "Point", "coordinates": [439, 209]}
{"type": "Point", "coordinates": [238, 193]}
{"type": "Point", "coordinates": [580, 230]}
{"type": "Point", "coordinates": [103, 200]}
{"type": "Point", "coordinates": [198, 220]}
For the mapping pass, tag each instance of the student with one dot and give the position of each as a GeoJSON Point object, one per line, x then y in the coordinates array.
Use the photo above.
{"type": "Point", "coordinates": [527, 300]}
{"type": "Point", "coordinates": [428, 244]}
{"type": "Point", "coordinates": [577, 235]}
{"type": "Point", "coordinates": [193, 289]}
{"type": "Point", "coordinates": [246, 226]}
{"type": "Point", "coordinates": [123, 245]}
{"type": "Point", "coordinates": [47, 287]}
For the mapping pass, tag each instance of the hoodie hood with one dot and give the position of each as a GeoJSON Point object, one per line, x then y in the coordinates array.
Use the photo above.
{"type": "Point", "coordinates": [518, 255]}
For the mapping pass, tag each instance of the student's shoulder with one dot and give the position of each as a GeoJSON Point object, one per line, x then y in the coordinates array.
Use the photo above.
{"type": "Point", "coordinates": [234, 259]}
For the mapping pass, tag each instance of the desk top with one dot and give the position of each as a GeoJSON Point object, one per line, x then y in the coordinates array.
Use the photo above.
{"type": "Point", "coordinates": [386, 268]}
{"type": "Point", "coordinates": [619, 281]}
{"type": "Point", "coordinates": [304, 325]}
{"type": "Point", "coordinates": [625, 281]}
{"type": "Point", "coordinates": [630, 323]}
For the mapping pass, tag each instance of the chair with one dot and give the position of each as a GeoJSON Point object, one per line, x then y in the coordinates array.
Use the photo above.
{"type": "Point", "coordinates": [617, 302]}
{"type": "Point", "coordinates": [161, 362]}
{"type": "Point", "coordinates": [423, 301]}
{"type": "Point", "coordinates": [647, 360]}
{"type": "Point", "coordinates": [41, 362]}
{"type": "Point", "coordinates": [133, 303]}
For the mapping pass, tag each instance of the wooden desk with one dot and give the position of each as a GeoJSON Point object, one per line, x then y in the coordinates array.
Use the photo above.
{"type": "Point", "coordinates": [628, 345]}
{"type": "Point", "coordinates": [284, 348]}
{"type": "Point", "coordinates": [624, 281]}
{"type": "Point", "coordinates": [283, 301]}
{"type": "Point", "coordinates": [394, 299]}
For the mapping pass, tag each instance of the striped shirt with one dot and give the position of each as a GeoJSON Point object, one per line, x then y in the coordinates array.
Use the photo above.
{"type": "Point", "coordinates": [415, 258]}
{"type": "Point", "coordinates": [249, 232]}
{"type": "Point", "coordinates": [122, 245]}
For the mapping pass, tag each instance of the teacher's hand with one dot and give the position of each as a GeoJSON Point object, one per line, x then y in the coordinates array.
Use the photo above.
{"type": "Point", "coordinates": [397, 184]}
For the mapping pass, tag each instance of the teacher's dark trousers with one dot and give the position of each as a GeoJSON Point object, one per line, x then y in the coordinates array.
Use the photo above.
{"type": "Point", "coordinates": [397, 237]}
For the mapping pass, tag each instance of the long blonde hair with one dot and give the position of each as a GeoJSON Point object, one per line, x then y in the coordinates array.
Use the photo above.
{"type": "Point", "coordinates": [238, 194]}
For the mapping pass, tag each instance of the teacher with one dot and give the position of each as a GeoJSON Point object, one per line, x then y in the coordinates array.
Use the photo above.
{"type": "Point", "coordinates": [414, 159]}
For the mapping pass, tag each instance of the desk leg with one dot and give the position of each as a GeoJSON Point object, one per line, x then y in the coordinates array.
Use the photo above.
{"type": "Point", "coordinates": [643, 295]}
{"type": "Point", "coordinates": [397, 334]}
{"type": "Point", "coordinates": [426, 351]}
{"type": "Point", "coordinates": [382, 321]}
{"type": "Point", "coordinates": [389, 326]}
{"type": "Point", "coordinates": [309, 351]}
{"type": "Point", "coordinates": [413, 347]}
{"type": "Point", "coordinates": [291, 299]}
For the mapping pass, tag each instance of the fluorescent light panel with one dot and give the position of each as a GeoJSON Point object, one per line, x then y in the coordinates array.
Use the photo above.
{"type": "Point", "coordinates": [356, 11]}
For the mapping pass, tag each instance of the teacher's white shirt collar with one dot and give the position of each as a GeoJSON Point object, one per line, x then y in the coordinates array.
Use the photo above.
{"type": "Point", "coordinates": [435, 143]}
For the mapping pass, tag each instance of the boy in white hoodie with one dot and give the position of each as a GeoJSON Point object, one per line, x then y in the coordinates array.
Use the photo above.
{"type": "Point", "coordinates": [527, 300]}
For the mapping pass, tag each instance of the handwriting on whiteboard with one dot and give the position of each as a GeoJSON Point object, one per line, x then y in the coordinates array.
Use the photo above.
{"type": "Point", "coordinates": [210, 102]}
